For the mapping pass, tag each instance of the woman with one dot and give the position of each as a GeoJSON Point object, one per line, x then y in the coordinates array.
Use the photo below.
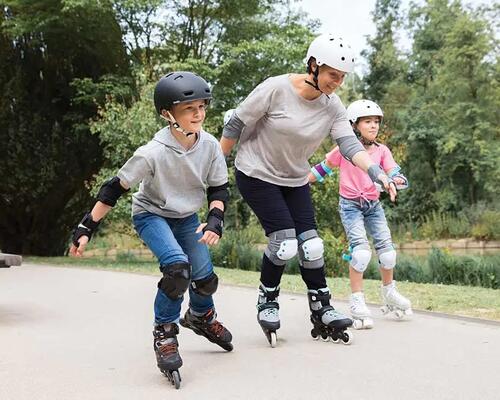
{"type": "Point", "coordinates": [279, 126]}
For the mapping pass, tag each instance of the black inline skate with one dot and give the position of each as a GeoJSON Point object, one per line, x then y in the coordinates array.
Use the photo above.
{"type": "Point", "coordinates": [327, 322]}
{"type": "Point", "coordinates": [166, 347]}
{"type": "Point", "coordinates": [207, 325]}
{"type": "Point", "coordinates": [268, 312]}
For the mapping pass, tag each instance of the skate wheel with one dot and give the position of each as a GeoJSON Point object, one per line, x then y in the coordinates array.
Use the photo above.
{"type": "Point", "coordinates": [335, 340]}
{"type": "Point", "coordinates": [325, 337]}
{"type": "Point", "coordinates": [176, 379]}
{"type": "Point", "coordinates": [384, 309]}
{"type": "Point", "coordinates": [399, 314]}
{"type": "Point", "coordinates": [314, 334]}
{"type": "Point", "coordinates": [368, 323]}
{"type": "Point", "coordinates": [357, 324]}
{"type": "Point", "coordinates": [348, 337]}
{"type": "Point", "coordinates": [272, 339]}
{"type": "Point", "coordinates": [409, 312]}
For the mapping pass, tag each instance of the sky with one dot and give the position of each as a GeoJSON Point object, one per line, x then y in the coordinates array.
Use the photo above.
{"type": "Point", "coordinates": [352, 19]}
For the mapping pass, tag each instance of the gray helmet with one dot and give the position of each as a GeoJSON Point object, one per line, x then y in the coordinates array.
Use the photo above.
{"type": "Point", "coordinates": [179, 87]}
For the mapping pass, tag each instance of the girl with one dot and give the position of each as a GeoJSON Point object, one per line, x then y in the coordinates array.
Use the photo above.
{"type": "Point", "coordinates": [359, 207]}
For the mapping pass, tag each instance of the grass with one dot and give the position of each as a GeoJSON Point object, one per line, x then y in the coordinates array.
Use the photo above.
{"type": "Point", "coordinates": [452, 299]}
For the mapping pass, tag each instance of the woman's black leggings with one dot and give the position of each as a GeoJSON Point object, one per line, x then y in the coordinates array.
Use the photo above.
{"type": "Point", "coordinates": [279, 208]}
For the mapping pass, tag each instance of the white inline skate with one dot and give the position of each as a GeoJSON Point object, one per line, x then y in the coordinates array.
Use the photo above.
{"type": "Point", "coordinates": [360, 313]}
{"type": "Point", "coordinates": [395, 302]}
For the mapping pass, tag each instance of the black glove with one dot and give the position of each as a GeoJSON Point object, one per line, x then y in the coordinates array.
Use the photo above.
{"type": "Point", "coordinates": [215, 221]}
{"type": "Point", "coordinates": [86, 227]}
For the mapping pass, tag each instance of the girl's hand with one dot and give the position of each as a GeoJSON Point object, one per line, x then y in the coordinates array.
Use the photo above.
{"type": "Point", "coordinates": [389, 186]}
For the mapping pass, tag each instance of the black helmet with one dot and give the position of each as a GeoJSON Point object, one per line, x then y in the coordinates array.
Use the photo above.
{"type": "Point", "coordinates": [178, 87]}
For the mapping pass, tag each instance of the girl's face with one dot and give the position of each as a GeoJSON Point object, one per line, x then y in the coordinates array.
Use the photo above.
{"type": "Point", "coordinates": [190, 115]}
{"type": "Point", "coordinates": [369, 126]}
{"type": "Point", "coordinates": [330, 79]}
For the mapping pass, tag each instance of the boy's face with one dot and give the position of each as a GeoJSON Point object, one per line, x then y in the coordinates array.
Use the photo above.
{"type": "Point", "coordinates": [369, 126]}
{"type": "Point", "coordinates": [330, 79]}
{"type": "Point", "coordinates": [190, 115]}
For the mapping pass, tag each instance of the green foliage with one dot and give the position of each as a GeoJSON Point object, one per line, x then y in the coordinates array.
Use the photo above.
{"type": "Point", "coordinates": [471, 271]}
{"type": "Point", "coordinates": [46, 48]}
{"type": "Point", "coordinates": [445, 225]}
{"type": "Point", "coordinates": [238, 249]}
{"type": "Point", "coordinates": [488, 226]}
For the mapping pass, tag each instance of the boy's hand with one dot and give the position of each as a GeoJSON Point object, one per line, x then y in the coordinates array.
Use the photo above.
{"type": "Point", "coordinates": [212, 229]}
{"type": "Point", "coordinates": [209, 238]}
{"type": "Point", "coordinates": [82, 234]}
{"type": "Point", "coordinates": [78, 251]}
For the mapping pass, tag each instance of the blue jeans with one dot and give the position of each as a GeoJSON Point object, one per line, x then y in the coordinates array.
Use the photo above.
{"type": "Point", "coordinates": [174, 240]}
{"type": "Point", "coordinates": [356, 215]}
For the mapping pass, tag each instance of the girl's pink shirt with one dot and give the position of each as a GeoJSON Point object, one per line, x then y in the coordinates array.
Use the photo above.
{"type": "Point", "coordinates": [354, 182]}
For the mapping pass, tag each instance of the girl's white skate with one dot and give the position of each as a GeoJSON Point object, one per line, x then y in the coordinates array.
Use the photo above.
{"type": "Point", "coordinates": [395, 302]}
{"type": "Point", "coordinates": [360, 313]}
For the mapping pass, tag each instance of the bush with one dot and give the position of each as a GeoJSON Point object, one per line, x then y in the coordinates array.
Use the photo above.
{"type": "Point", "coordinates": [238, 249]}
{"type": "Point", "coordinates": [488, 226]}
{"type": "Point", "coordinates": [439, 225]}
{"type": "Point", "coordinates": [468, 270]}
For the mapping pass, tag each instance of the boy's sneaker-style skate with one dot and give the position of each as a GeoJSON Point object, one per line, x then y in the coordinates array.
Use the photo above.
{"type": "Point", "coordinates": [207, 325]}
{"type": "Point", "coordinates": [327, 322]}
{"type": "Point", "coordinates": [166, 348]}
{"type": "Point", "coordinates": [360, 313]}
{"type": "Point", "coordinates": [393, 301]}
{"type": "Point", "coordinates": [268, 312]}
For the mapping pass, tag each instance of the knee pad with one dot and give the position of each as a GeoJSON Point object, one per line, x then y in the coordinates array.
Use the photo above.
{"type": "Point", "coordinates": [282, 246]}
{"type": "Point", "coordinates": [361, 256]}
{"type": "Point", "coordinates": [206, 286]}
{"type": "Point", "coordinates": [175, 281]}
{"type": "Point", "coordinates": [387, 259]}
{"type": "Point", "coordinates": [311, 250]}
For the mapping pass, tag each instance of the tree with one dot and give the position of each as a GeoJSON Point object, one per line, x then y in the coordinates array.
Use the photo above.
{"type": "Point", "coordinates": [46, 47]}
{"type": "Point", "coordinates": [451, 119]}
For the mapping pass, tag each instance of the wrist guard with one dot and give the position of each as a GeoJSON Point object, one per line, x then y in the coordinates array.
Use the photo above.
{"type": "Point", "coordinates": [321, 170]}
{"type": "Point", "coordinates": [86, 227]}
{"type": "Point", "coordinates": [215, 221]}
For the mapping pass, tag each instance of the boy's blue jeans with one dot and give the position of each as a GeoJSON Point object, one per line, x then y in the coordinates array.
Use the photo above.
{"type": "Point", "coordinates": [174, 240]}
{"type": "Point", "coordinates": [358, 214]}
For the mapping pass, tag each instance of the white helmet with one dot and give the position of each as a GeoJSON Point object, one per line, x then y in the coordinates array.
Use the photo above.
{"type": "Point", "coordinates": [332, 51]}
{"type": "Point", "coordinates": [363, 108]}
{"type": "Point", "coordinates": [227, 115]}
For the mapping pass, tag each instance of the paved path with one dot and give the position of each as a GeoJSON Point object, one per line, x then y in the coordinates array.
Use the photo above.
{"type": "Point", "coordinates": [68, 333]}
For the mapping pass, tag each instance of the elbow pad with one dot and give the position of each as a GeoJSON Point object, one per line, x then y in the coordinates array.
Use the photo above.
{"type": "Point", "coordinates": [349, 146]}
{"type": "Point", "coordinates": [111, 191]}
{"type": "Point", "coordinates": [220, 193]}
{"type": "Point", "coordinates": [233, 128]}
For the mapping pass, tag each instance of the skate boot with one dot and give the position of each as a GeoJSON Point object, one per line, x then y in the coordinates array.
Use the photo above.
{"type": "Point", "coordinates": [327, 322]}
{"type": "Point", "coordinates": [361, 315]}
{"type": "Point", "coordinates": [268, 312]}
{"type": "Point", "coordinates": [207, 325]}
{"type": "Point", "coordinates": [166, 346]}
{"type": "Point", "coordinates": [395, 302]}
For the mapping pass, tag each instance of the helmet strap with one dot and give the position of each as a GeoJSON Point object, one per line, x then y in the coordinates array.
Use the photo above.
{"type": "Point", "coordinates": [315, 78]}
{"type": "Point", "coordinates": [176, 125]}
{"type": "Point", "coordinates": [364, 141]}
